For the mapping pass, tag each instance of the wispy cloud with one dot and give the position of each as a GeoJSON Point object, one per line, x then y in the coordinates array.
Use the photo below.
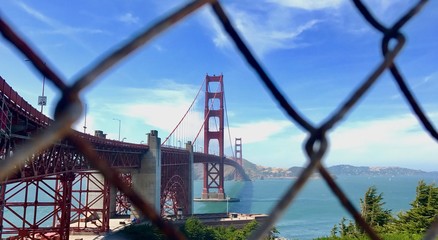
{"type": "Point", "coordinates": [309, 4]}
{"type": "Point", "coordinates": [60, 28]}
{"type": "Point", "coordinates": [159, 47]}
{"type": "Point", "coordinates": [57, 27]}
{"type": "Point", "coordinates": [266, 31]}
{"type": "Point", "coordinates": [128, 18]}
{"type": "Point", "coordinates": [425, 81]}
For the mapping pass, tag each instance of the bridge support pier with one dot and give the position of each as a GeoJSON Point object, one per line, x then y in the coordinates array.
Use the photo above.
{"type": "Point", "coordinates": [147, 179]}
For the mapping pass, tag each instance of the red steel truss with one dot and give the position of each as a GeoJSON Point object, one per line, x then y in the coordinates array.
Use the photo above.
{"type": "Point", "coordinates": [214, 114]}
{"type": "Point", "coordinates": [90, 203]}
{"type": "Point", "coordinates": [57, 191]}
{"type": "Point", "coordinates": [35, 208]}
{"type": "Point", "coordinates": [123, 205]}
{"type": "Point", "coordinates": [175, 170]}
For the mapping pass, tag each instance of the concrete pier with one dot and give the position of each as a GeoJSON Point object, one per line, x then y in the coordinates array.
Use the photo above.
{"type": "Point", "coordinates": [147, 179]}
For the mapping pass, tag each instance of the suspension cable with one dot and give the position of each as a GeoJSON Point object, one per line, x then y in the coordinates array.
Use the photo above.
{"type": "Point", "coordinates": [205, 119]}
{"type": "Point", "coordinates": [228, 126]}
{"type": "Point", "coordinates": [191, 105]}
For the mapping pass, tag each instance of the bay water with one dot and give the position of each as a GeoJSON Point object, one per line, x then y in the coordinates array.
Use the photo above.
{"type": "Point", "coordinates": [316, 209]}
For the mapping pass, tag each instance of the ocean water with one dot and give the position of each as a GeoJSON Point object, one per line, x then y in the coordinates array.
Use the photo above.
{"type": "Point", "coordinates": [315, 210]}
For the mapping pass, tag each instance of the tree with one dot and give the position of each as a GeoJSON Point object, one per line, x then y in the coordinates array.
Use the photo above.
{"type": "Point", "coordinates": [373, 213]}
{"type": "Point", "coordinates": [372, 208]}
{"type": "Point", "coordinates": [194, 229]}
{"type": "Point", "coordinates": [347, 230]}
{"type": "Point", "coordinates": [423, 211]}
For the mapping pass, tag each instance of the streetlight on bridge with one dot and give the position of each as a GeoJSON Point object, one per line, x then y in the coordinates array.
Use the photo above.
{"type": "Point", "coordinates": [120, 123]}
{"type": "Point", "coordinates": [42, 100]}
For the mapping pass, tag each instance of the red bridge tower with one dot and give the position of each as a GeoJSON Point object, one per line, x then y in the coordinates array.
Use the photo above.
{"type": "Point", "coordinates": [238, 155]}
{"type": "Point", "coordinates": [214, 115]}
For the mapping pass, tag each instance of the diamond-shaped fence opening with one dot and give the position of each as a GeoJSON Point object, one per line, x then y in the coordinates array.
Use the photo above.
{"type": "Point", "coordinates": [69, 108]}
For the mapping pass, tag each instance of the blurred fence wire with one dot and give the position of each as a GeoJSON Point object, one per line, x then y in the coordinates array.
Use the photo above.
{"type": "Point", "coordinates": [69, 108]}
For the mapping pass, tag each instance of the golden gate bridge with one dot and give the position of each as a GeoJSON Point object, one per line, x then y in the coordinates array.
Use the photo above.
{"type": "Point", "coordinates": [75, 195]}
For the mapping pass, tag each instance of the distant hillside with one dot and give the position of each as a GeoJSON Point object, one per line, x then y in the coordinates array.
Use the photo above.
{"type": "Point", "coordinates": [254, 171]}
{"type": "Point", "coordinates": [260, 172]}
{"type": "Point", "coordinates": [376, 171]}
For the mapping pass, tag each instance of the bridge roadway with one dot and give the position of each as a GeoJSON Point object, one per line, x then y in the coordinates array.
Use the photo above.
{"type": "Point", "coordinates": [19, 121]}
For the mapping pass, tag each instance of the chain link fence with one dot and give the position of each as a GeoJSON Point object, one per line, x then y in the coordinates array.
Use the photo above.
{"type": "Point", "coordinates": [70, 107]}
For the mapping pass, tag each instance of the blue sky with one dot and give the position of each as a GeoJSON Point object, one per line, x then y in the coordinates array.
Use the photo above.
{"type": "Point", "coordinates": [316, 51]}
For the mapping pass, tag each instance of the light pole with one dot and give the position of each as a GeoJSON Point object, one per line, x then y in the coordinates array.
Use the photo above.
{"type": "Point", "coordinates": [123, 139]}
{"type": "Point", "coordinates": [42, 100]}
{"type": "Point", "coordinates": [120, 123]}
{"type": "Point", "coordinates": [85, 119]}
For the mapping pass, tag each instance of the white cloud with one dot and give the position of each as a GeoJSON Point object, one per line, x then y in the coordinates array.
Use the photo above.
{"type": "Point", "coordinates": [398, 140]}
{"type": "Point", "coordinates": [162, 107]}
{"type": "Point", "coordinates": [394, 141]}
{"type": "Point", "coordinates": [269, 30]}
{"type": "Point", "coordinates": [260, 131]}
{"type": "Point", "coordinates": [128, 18]}
{"type": "Point", "coordinates": [163, 112]}
{"type": "Point", "coordinates": [280, 149]}
{"type": "Point", "coordinates": [309, 4]}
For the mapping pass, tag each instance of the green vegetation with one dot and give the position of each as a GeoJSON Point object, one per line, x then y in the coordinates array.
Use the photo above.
{"type": "Point", "coordinates": [411, 224]}
{"type": "Point", "coordinates": [193, 229]}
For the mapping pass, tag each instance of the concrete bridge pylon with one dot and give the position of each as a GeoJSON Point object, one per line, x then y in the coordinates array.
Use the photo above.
{"type": "Point", "coordinates": [146, 180]}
